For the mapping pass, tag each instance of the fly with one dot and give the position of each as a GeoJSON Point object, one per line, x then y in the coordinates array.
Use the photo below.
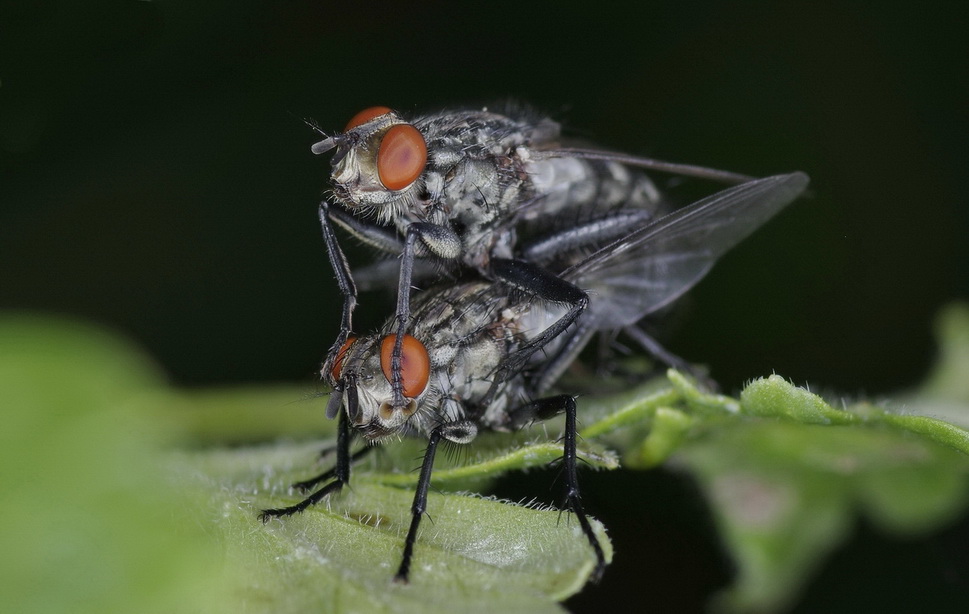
{"type": "Point", "coordinates": [471, 362]}
{"type": "Point", "coordinates": [466, 187]}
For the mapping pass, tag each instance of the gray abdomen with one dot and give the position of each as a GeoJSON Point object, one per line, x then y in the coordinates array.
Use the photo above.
{"type": "Point", "coordinates": [586, 189]}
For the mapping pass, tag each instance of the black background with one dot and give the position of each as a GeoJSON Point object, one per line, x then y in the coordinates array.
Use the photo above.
{"type": "Point", "coordinates": [155, 172]}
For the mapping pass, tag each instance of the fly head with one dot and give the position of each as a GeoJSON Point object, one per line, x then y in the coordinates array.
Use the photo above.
{"type": "Point", "coordinates": [378, 162]}
{"type": "Point", "coordinates": [363, 371]}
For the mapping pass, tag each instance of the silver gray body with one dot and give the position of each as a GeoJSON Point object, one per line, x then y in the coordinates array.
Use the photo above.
{"type": "Point", "coordinates": [467, 329]}
{"type": "Point", "coordinates": [489, 178]}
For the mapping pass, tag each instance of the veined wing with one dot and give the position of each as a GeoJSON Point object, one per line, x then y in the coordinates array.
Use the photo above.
{"type": "Point", "coordinates": [656, 264]}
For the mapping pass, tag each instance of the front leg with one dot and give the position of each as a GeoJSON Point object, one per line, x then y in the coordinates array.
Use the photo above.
{"type": "Point", "coordinates": [457, 432]}
{"type": "Point", "coordinates": [443, 243]}
{"type": "Point", "coordinates": [340, 474]}
{"type": "Point", "coordinates": [440, 241]}
{"type": "Point", "coordinates": [306, 485]}
{"type": "Point", "coordinates": [348, 289]}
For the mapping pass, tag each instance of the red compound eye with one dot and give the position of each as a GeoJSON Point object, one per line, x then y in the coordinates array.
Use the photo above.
{"type": "Point", "coordinates": [364, 116]}
{"type": "Point", "coordinates": [337, 368]}
{"type": "Point", "coordinates": [415, 364]}
{"type": "Point", "coordinates": [401, 157]}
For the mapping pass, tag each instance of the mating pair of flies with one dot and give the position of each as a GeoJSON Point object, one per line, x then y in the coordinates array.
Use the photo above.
{"type": "Point", "coordinates": [544, 244]}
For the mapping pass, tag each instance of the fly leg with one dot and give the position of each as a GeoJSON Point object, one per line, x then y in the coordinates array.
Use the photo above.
{"type": "Point", "coordinates": [306, 485]}
{"type": "Point", "coordinates": [458, 432]}
{"type": "Point", "coordinates": [590, 235]}
{"type": "Point", "coordinates": [544, 409]}
{"type": "Point", "coordinates": [442, 242]}
{"type": "Point", "coordinates": [667, 357]}
{"type": "Point", "coordinates": [341, 474]}
{"type": "Point", "coordinates": [347, 288]}
{"type": "Point", "coordinates": [545, 286]}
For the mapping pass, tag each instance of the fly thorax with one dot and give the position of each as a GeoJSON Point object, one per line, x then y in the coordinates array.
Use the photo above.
{"type": "Point", "coordinates": [469, 372]}
{"type": "Point", "coordinates": [472, 191]}
{"type": "Point", "coordinates": [443, 354]}
{"type": "Point", "coordinates": [478, 198]}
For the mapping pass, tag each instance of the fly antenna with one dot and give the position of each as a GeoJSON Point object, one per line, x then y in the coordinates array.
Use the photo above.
{"type": "Point", "coordinates": [326, 144]}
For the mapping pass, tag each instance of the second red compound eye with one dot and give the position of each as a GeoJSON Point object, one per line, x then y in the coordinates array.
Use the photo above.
{"type": "Point", "coordinates": [364, 116]}
{"type": "Point", "coordinates": [415, 364]}
{"type": "Point", "coordinates": [337, 368]}
{"type": "Point", "coordinates": [402, 157]}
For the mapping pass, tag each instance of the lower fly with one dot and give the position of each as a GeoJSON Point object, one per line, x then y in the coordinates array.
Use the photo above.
{"type": "Point", "coordinates": [472, 360]}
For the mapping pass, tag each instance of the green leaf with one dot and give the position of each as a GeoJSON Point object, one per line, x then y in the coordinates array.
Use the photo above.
{"type": "Point", "coordinates": [787, 476]}
{"type": "Point", "coordinates": [342, 555]}
{"type": "Point", "coordinates": [128, 495]}
{"type": "Point", "coordinates": [127, 498]}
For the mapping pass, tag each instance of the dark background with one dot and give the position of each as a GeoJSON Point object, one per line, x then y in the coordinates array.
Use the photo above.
{"type": "Point", "coordinates": [155, 172]}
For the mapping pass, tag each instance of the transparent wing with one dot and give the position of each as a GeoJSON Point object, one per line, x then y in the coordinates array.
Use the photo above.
{"type": "Point", "coordinates": [654, 265]}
